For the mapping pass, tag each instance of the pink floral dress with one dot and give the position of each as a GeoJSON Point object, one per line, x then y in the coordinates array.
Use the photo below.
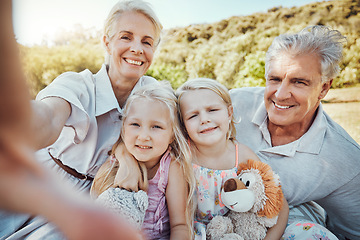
{"type": "Point", "coordinates": [207, 194]}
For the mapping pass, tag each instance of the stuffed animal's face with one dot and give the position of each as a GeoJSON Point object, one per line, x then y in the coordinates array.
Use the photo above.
{"type": "Point", "coordinates": [256, 189]}
{"type": "Point", "coordinates": [241, 194]}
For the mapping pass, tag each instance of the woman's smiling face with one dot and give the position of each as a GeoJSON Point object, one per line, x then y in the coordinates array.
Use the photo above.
{"type": "Point", "coordinates": [132, 48]}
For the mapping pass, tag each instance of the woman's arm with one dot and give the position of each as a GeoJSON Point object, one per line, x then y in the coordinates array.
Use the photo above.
{"type": "Point", "coordinates": [24, 185]}
{"type": "Point", "coordinates": [176, 198]}
{"type": "Point", "coordinates": [48, 119]}
{"type": "Point", "coordinates": [278, 229]}
{"type": "Point", "coordinates": [129, 175]}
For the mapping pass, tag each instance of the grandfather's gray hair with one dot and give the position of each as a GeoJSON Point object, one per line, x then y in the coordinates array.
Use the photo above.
{"type": "Point", "coordinates": [321, 40]}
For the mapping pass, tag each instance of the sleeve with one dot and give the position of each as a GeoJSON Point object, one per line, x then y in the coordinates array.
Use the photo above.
{"type": "Point", "coordinates": [343, 209]}
{"type": "Point", "coordinates": [148, 80]}
{"type": "Point", "coordinates": [77, 89]}
{"type": "Point", "coordinates": [246, 100]}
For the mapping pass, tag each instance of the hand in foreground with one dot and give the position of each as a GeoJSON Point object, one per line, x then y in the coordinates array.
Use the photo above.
{"type": "Point", "coordinates": [26, 187]}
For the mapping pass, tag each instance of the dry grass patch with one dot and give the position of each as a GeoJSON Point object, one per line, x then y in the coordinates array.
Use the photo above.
{"type": "Point", "coordinates": [343, 106]}
{"type": "Point", "coordinates": [351, 94]}
{"type": "Point", "coordinates": [347, 115]}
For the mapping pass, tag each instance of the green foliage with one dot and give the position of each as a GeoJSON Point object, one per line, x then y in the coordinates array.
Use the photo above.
{"type": "Point", "coordinates": [350, 74]}
{"type": "Point", "coordinates": [43, 64]}
{"type": "Point", "coordinates": [231, 51]}
{"type": "Point", "coordinates": [252, 72]}
{"type": "Point", "coordinates": [173, 73]}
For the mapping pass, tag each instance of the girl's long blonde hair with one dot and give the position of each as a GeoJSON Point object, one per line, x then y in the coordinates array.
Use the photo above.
{"type": "Point", "coordinates": [180, 151]}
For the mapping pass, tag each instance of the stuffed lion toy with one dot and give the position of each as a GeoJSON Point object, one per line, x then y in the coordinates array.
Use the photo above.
{"type": "Point", "coordinates": [254, 198]}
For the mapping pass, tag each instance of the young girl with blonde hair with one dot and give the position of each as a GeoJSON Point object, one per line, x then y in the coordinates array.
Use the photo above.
{"type": "Point", "coordinates": [151, 138]}
{"type": "Point", "coordinates": [207, 117]}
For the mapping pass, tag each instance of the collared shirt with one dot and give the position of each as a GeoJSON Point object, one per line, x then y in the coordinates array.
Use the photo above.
{"type": "Point", "coordinates": [95, 121]}
{"type": "Point", "coordinates": [322, 166]}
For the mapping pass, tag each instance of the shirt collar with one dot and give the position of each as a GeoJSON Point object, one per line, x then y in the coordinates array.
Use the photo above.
{"type": "Point", "coordinates": [105, 96]}
{"type": "Point", "coordinates": [311, 142]}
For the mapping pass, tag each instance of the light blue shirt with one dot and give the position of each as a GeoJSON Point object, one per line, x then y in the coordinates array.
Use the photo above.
{"type": "Point", "coordinates": [322, 166]}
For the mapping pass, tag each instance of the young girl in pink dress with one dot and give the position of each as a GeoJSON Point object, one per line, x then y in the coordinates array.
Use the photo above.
{"type": "Point", "coordinates": [151, 135]}
{"type": "Point", "coordinates": [207, 117]}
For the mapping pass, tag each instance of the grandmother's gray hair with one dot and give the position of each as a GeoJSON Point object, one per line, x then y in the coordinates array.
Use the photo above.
{"type": "Point", "coordinates": [321, 40]}
{"type": "Point", "coordinates": [123, 6]}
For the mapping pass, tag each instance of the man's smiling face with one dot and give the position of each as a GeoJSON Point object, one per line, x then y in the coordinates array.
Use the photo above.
{"type": "Point", "coordinates": [294, 89]}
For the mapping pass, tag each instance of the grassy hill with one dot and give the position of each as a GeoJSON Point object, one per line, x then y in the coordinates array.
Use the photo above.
{"type": "Point", "coordinates": [231, 51]}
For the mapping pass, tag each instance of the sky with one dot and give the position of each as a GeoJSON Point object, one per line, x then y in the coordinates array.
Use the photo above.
{"type": "Point", "coordinates": [35, 20]}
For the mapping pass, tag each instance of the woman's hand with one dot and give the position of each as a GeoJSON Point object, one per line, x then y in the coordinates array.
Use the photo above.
{"type": "Point", "coordinates": [129, 175]}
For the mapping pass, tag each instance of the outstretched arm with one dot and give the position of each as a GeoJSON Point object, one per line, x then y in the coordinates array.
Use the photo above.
{"type": "Point", "coordinates": [48, 119]}
{"type": "Point", "coordinates": [22, 180]}
{"type": "Point", "coordinates": [15, 150]}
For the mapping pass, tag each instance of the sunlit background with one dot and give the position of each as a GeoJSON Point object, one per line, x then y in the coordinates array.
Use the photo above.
{"type": "Point", "coordinates": [221, 39]}
{"type": "Point", "coordinates": [38, 20]}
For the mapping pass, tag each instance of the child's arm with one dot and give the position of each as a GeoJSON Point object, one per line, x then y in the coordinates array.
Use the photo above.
{"type": "Point", "coordinates": [278, 229]}
{"type": "Point", "coordinates": [176, 198]}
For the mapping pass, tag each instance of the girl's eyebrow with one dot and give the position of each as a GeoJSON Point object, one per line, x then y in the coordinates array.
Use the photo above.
{"type": "Point", "coordinates": [162, 123]}
{"type": "Point", "coordinates": [190, 111]}
{"type": "Point", "coordinates": [124, 31]}
{"type": "Point", "coordinates": [149, 37]}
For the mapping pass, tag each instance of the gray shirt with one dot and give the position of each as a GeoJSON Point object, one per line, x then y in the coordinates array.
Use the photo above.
{"type": "Point", "coordinates": [322, 166]}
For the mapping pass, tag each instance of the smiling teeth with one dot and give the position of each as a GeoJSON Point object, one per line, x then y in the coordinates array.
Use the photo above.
{"type": "Point", "coordinates": [133, 62]}
{"type": "Point", "coordinates": [143, 147]}
{"type": "Point", "coordinates": [282, 107]}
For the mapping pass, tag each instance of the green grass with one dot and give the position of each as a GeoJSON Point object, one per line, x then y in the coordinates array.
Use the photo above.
{"type": "Point", "coordinates": [343, 106]}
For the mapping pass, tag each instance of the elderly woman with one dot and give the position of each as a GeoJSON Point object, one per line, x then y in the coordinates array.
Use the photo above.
{"type": "Point", "coordinates": [77, 118]}
{"type": "Point", "coordinates": [286, 126]}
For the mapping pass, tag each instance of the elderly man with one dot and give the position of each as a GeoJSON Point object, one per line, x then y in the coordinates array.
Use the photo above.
{"type": "Point", "coordinates": [285, 124]}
